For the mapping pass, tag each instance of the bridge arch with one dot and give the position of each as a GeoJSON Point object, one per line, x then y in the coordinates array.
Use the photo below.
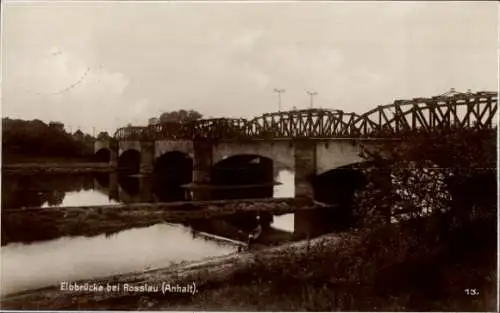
{"type": "Point", "coordinates": [163, 146]}
{"type": "Point", "coordinates": [282, 152]}
{"type": "Point", "coordinates": [243, 170]}
{"type": "Point", "coordinates": [129, 161]}
{"type": "Point", "coordinates": [331, 155]}
{"type": "Point", "coordinates": [242, 165]}
{"type": "Point", "coordinates": [101, 144]}
{"type": "Point", "coordinates": [174, 167]}
{"type": "Point", "coordinates": [103, 155]}
{"type": "Point", "coordinates": [337, 187]}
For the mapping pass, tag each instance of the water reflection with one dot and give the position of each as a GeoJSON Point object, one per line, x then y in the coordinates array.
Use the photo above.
{"type": "Point", "coordinates": [284, 222]}
{"type": "Point", "coordinates": [286, 188]}
{"type": "Point", "coordinates": [71, 258]}
{"type": "Point", "coordinates": [74, 258]}
{"type": "Point", "coordinates": [276, 229]}
{"type": "Point", "coordinates": [76, 198]}
{"type": "Point", "coordinates": [49, 190]}
{"type": "Point", "coordinates": [37, 190]}
{"type": "Point", "coordinates": [65, 259]}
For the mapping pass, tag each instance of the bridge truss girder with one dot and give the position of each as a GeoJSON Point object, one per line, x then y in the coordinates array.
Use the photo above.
{"type": "Point", "coordinates": [465, 110]}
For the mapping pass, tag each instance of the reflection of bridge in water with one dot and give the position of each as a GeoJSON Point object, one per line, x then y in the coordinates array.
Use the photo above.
{"type": "Point", "coordinates": [129, 189]}
{"type": "Point", "coordinates": [234, 229]}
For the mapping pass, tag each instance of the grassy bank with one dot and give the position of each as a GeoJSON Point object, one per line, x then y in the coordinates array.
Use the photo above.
{"type": "Point", "coordinates": [56, 168]}
{"type": "Point", "coordinates": [8, 159]}
{"type": "Point", "coordinates": [392, 268]}
{"type": "Point", "coordinates": [53, 165]}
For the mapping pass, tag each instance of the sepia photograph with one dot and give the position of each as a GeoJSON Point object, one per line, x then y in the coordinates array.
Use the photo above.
{"type": "Point", "coordinates": [249, 156]}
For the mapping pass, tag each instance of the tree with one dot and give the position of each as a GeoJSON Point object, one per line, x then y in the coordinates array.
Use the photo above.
{"type": "Point", "coordinates": [78, 134]}
{"type": "Point", "coordinates": [35, 139]}
{"type": "Point", "coordinates": [448, 173]}
{"type": "Point", "coordinates": [103, 136]}
{"type": "Point", "coordinates": [180, 116]}
{"type": "Point", "coordinates": [439, 191]}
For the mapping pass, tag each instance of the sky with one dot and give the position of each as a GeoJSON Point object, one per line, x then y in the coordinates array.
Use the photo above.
{"type": "Point", "coordinates": [99, 65]}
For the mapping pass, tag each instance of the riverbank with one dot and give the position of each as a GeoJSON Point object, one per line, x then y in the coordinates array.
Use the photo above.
{"type": "Point", "coordinates": [390, 268]}
{"type": "Point", "coordinates": [56, 167]}
{"type": "Point", "coordinates": [54, 222]}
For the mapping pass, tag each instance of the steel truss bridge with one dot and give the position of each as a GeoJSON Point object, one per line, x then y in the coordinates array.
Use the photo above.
{"type": "Point", "coordinates": [450, 110]}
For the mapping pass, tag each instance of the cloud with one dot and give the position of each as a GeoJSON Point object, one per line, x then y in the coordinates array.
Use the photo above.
{"type": "Point", "coordinates": [247, 39]}
{"type": "Point", "coordinates": [66, 88]}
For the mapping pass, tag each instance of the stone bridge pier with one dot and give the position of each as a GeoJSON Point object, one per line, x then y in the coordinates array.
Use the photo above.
{"type": "Point", "coordinates": [202, 165]}
{"type": "Point", "coordinates": [113, 155]}
{"type": "Point", "coordinates": [147, 157]}
{"type": "Point", "coordinates": [305, 167]}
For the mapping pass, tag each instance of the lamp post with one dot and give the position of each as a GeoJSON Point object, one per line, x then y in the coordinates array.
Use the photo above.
{"type": "Point", "coordinates": [279, 92]}
{"type": "Point", "coordinates": [312, 94]}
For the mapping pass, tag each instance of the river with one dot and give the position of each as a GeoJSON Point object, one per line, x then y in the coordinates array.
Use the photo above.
{"type": "Point", "coordinates": [42, 263]}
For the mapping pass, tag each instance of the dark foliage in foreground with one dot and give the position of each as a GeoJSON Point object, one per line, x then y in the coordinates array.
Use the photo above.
{"type": "Point", "coordinates": [386, 268]}
{"type": "Point", "coordinates": [450, 171]}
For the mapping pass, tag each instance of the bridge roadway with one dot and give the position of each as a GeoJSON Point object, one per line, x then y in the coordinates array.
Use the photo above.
{"type": "Point", "coordinates": [311, 142]}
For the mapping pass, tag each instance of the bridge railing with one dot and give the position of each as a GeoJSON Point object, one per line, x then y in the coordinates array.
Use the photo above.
{"type": "Point", "coordinates": [170, 131]}
{"type": "Point", "coordinates": [129, 133]}
{"type": "Point", "coordinates": [219, 128]}
{"type": "Point", "coordinates": [462, 110]}
{"type": "Point", "coordinates": [312, 123]}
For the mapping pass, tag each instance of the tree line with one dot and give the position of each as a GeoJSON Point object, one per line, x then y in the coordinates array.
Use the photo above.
{"type": "Point", "coordinates": [35, 139]}
{"type": "Point", "coordinates": [180, 116]}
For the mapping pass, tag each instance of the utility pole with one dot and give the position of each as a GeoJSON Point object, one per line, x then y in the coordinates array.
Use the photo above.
{"type": "Point", "coordinates": [312, 94]}
{"type": "Point", "coordinates": [279, 92]}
